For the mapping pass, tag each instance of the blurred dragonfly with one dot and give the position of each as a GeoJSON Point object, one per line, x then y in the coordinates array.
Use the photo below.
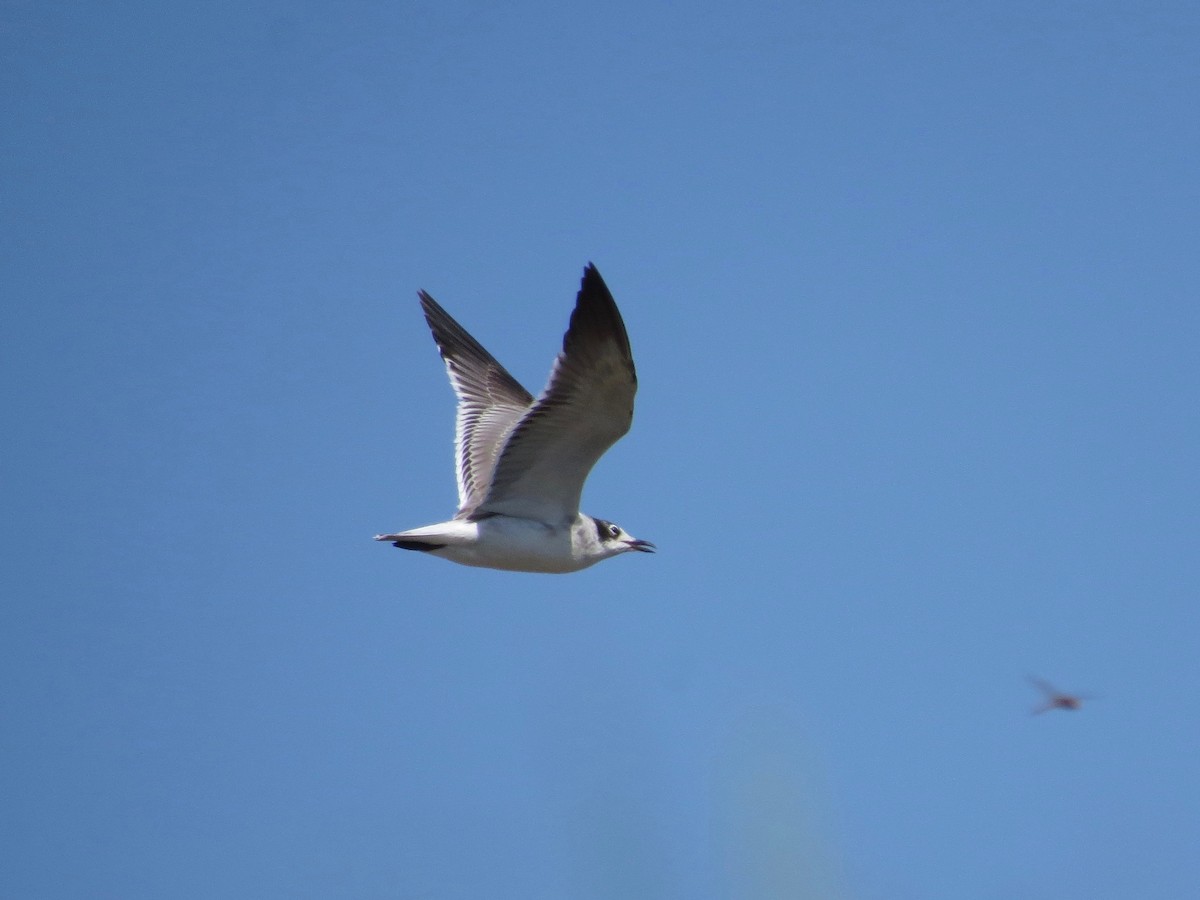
{"type": "Point", "coordinates": [1056, 699]}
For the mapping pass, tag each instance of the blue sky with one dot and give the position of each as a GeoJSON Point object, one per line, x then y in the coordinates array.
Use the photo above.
{"type": "Point", "coordinates": [912, 294]}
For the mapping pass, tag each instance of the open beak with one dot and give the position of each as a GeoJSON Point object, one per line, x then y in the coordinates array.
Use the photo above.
{"type": "Point", "coordinates": [644, 546]}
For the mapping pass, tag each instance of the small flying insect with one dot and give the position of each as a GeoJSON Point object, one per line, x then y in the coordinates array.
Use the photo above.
{"type": "Point", "coordinates": [1055, 699]}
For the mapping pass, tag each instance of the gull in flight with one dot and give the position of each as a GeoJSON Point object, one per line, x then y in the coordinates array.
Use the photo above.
{"type": "Point", "coordinates": [521, 462]}
{"type": "Point", "coordinates": [1055, 699]}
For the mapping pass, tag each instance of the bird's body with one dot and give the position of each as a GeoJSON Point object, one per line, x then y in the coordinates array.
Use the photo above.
{"type": "Point", "coordinates": [1054, 698]}
{"type": "Point", "coordinates": [512, 543]}
{"type": "Point", "coordinates": [521, 462]}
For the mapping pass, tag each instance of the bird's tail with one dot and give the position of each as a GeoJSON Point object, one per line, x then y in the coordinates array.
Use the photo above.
{"type": "Point", "coordinates": [406, 540]}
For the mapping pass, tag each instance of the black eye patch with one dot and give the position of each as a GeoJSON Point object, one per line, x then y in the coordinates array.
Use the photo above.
{"type": "Point", "coordinates": [606, 531]}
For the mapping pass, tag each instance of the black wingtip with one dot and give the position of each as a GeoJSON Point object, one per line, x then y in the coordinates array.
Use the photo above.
{"type": "Point", "coordinates": [596, 312]}
{"type": "Point", "coordinates": [433, 312]}
{"type": "Point", "coordinates": [592, 281]}
{"type": "Point", "coordinates": [431, 308]}
{"type": "Point", "coordinates": [451, 338]}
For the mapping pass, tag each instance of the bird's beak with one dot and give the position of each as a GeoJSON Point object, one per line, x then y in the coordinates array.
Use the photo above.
{"type": "Point", "coordinates": [644, 546]}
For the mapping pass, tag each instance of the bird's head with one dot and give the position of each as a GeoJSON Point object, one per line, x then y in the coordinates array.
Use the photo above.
{"type": "Point", "coordinates": [613, 539]}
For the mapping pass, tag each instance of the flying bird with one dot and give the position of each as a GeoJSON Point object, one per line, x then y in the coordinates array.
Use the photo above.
{"type": "Point", "coordinates": [521, 462]}
{"type": "Point", "coordinates": [1054, 698]}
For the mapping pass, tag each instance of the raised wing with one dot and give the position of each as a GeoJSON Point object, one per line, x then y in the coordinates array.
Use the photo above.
{"type": "Point", "coordinates": [1044, 686]}
{"type": "Point", "coordinates": [490, 404]}
{"type": "Point", "coordinates": [586, 406]}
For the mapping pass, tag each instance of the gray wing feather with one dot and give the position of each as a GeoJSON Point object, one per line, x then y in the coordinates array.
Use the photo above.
{"type": "Point", "coordinates": [490, 404]}
{"type": "Point", "coordinates": [586, 407]}
{"type": "Point", "coordinates": [1044, 686]}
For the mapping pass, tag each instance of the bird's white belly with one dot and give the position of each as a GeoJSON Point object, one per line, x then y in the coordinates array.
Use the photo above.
{"type": "Point", "coordinates": [517, 545]}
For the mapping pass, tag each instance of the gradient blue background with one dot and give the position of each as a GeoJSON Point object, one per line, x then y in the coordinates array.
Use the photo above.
{"type": "Point", "coordinates": [912, 290]}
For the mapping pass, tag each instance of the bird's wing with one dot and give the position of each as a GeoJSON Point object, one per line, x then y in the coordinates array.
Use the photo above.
{"type": "Point", "coordinates": [1044, 686]}
{"type": "Point", "coordinates": [490, 404]}
{"type": "Point", "coordinates": [586, 406]}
